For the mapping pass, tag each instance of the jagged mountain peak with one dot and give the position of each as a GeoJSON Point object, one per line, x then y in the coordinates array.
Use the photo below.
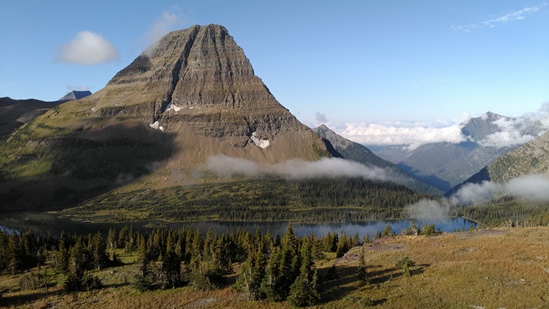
{"type": "Point", "coordinates": [75, 95]}
{"type": "Point", "coordinates": [491, 116]}
{"type": "Point", "coordinates": [201, 66]}
{"type": "Point", "coordinates": [479, 128]}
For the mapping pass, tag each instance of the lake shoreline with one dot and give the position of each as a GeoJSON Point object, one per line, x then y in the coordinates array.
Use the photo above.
{"type": "Point", "coordinates": [56, 222]}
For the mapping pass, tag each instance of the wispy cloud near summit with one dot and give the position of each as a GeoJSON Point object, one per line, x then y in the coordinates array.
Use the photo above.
{"type": "Point", "coordinates": [169, 21]}
{"type": "Point", "coordinates": [501, 20]}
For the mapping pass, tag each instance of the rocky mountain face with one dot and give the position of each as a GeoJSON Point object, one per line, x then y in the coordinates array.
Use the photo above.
{"type": "Point", "coordinates": [75, 95]}
{"type": "Point", "coordinates": [350, 150]}
{"type": "Point", "coordinates": [192, 95]}
{"type": "Point", "coordinates": [199, 81]}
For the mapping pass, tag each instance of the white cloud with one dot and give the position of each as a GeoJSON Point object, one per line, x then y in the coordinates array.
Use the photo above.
{"type": "Point", "coordinates": [87, 48]}
{"type": "Point", "coordinates": [508, 138]}
{"type": "Point", "coordinates": [169, 21]}
{"type": "Point", "coordinates": [500, 20]}
{"type": "Point", "coordinates": [473, 193]}
{"type": "Point", "coordinates": [531, 188]}
{"type": "Point", "coordinates": [328, 167]}
{"type": "Point", "coordinates": [224, 166]}
{"type": "Point", "coordinates": [428, 210]}
{"type": "Point", "coordinates": [512, 131]}
{"type": "Point", "coordinates": [412, 135]}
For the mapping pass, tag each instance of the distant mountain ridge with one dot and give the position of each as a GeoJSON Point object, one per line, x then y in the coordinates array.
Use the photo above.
{"type": "Point", "coordinates": [356, 152]}
{"type": "Point", "coordinates": [445, 165]}
{"type": "Point", "coordinates": [15, 113]}
{"type": "Point", "coordinates": [75, 95]}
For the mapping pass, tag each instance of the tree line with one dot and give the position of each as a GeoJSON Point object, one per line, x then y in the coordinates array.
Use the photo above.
{"type": "Point", "coordinates": [270, 199]}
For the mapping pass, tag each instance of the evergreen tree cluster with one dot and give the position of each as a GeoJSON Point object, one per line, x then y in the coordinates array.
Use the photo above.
{"type": "Point", "coordinates": [21, 251]}
{"type": "Point", "coordinates": [73, 256]}
{"type": "Point", "coordinates": [275, 268]}
{"type": "Point", "coordinates": [282, 270]}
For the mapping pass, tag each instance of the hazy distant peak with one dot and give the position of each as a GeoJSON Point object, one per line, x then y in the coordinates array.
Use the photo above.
{"type": "Point", "coordinates": [322, 127]}
{"type": "Point", "coordinates": [75, 95]}
{"type": "Point", "coordinates": [491, 116]}
{"type": "Point", "coordinates": [479, 128]}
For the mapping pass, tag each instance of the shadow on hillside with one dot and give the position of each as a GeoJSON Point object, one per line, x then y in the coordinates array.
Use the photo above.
{"type": "Point", "coordinates": [84, 165]}
{"type": "Point", "coordinates": [19, 300]}
{"type": "Point", "coordinates": [338, 284]}
{"type": "Point", "coordinates": [345, 280]}
{"type": "Point", "coordinates": [428, 179]}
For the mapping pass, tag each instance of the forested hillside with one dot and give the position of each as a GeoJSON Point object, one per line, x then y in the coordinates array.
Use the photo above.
{"type": "Point", "coordinates": [267, 199]}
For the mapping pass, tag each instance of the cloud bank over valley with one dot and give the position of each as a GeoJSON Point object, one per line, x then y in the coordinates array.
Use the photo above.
{"type": "Point", "coordinates": [410, 135]}
{"type": "Point", "coordinates": [224, 166]}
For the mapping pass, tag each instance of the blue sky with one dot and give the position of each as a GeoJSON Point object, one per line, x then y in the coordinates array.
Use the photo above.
{"type": "Point", "coordinates": [356, 65]}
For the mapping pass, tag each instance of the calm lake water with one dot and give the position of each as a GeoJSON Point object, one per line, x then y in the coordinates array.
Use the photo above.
{"type": "Point", "coordinates": [55, 223]}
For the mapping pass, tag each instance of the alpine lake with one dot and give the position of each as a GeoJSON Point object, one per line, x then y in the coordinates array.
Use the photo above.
{"type": "Point", "coordinates": [55, 223]}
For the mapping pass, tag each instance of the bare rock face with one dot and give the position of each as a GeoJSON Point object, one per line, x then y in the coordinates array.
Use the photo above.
{"type": "Point", "coordinates": [199, 80]}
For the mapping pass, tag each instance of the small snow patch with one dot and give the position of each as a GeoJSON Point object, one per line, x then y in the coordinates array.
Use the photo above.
{"type": "Point", "coordinates": [173, 107]}
{"type": "Point", "coordinates": [156, 125]}
{"type": "Point", "coordinates": [261, 143]}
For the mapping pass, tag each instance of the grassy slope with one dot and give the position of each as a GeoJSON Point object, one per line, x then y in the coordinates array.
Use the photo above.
{"type": "Point", "coordinates": [488, 268]}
